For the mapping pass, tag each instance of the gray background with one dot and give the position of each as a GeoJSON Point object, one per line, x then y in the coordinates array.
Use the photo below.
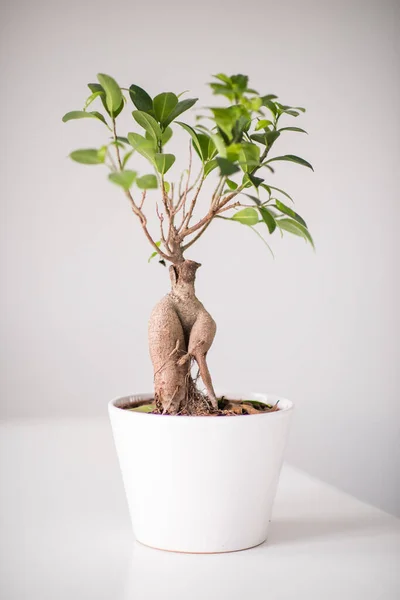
{"type": "Point", "coordinates": [77, 290]}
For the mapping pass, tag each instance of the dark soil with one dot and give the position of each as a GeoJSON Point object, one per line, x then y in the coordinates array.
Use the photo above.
{"type": "Point", "coordinates": [226, 408]}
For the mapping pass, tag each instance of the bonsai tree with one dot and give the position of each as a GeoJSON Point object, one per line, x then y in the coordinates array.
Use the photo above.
{"type": "Point", "coordinates": [232, 144]}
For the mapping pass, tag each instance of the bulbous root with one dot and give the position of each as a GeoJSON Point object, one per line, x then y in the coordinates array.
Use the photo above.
{"type": "Point", "coordinates": [181, 331]}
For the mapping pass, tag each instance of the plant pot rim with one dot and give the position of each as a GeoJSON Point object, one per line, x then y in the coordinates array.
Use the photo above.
{"type": "Point", "coordinates": [285, 406]}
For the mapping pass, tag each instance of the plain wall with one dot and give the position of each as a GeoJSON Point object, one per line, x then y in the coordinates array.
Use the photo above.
{"type": "Point", "coordinates": [321, 329]}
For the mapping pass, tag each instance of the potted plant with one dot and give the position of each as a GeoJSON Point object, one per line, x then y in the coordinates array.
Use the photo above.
{"type": "Point", "coordinates": [184, 451]}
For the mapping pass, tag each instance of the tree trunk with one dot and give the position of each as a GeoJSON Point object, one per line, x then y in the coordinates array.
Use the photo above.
{"type": "Point", "coordinates": [180, 331]}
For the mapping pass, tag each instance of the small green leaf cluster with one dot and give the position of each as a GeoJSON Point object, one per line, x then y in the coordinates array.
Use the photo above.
{"type": "Point", "coordinates": [243, 134]}
{"type": "Point", "coordinates": [235, 141]}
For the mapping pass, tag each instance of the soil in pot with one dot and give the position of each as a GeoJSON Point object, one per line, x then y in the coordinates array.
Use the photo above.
{"type": "Point", "coordinates": [226, 408]}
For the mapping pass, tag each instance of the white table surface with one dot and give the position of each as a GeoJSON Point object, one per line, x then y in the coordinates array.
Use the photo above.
{"type": "Point", "coordinates": [65, 533]}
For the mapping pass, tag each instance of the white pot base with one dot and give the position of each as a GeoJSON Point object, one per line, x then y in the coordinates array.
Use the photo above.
{"type": "Point", "coordinates": [217, 552]}
{"type": "Point", "coordinates": [200, 485]}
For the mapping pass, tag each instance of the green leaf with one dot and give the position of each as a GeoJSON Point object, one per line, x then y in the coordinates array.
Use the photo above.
{"type": "Point", "coordinates": [288, 211]}
{"type": "Point", "coordinates": [298, 129]}
{"type": "Point", "coordinates": [225, 118]}
{"type": "Point", "coordinates": [113, 92]}
{"type": "Point", "coordinates": [267, 218]}
{"type": "Point", "coordinates": [296, 228]}
{"type": "Point", "coordinates": [256, 181]}
{"type": "Point", "coordinates": [267, 102]}
{"type": "Point", "coordinates": [126, 158]}
{"type": "Point", "coordinates": [167, 186]}
{"type": "Point", "coordinates": [148, 123]}
{"type": "Point", "coordinates": [259, 138]}
{"type": "Point", "coordinates": [223, 78]}
{"type": "Point", "coordinates": [141, 99]}
{"type": "Point", "coordinates": [232, 185]}
{"type": "Point", "coordinates": [153, 254]}
{"type": "Point", "coordinates": [164, 162]}
{"type": "Point", "coordinates": [290, 158]}
{"type": "Point", "coordinates": [210, 166]}
{"type": "Point", "coordinates": [163, 105]}
{"type": "Point", "coordinates": [166, 135]}
{"type": "Point", "coordinates": [271, 137]}
{"type": "Point", "coordinates": [180, 108]}
{"type": "Point", "coordinates": [88, 156]}
{"type": "Point", "coordinates": [262, 124]}
{"type": "Point", "coordinates": [96, 88]}
{"type": "Point", "coordinates": [144, 147]}
{"type": "Point", "coordinates": [226, 167]}
{"type": "Point", "coordinates": [249, 156]}
{"type": "Point", "coordinates": [271, 187]}
{"type": "Point", "coordinates": [240, 81]}
{"type": "Point", "coordinates": [144, 408]}
{"type": "Point", "coordinates": [195, 137]}
{"type": "Point", "coordinates": [207, 146]}
{"type": "Point", "coordinates": [147, 182]}
{"type": "Point", "coordinates": [125, 179]}
{"type": "Point", "coordinates": [82, 114]}
{"type": "Point", "coordinates": [247, 216]}
{"type": "Point", "coordinates": [92, 97]}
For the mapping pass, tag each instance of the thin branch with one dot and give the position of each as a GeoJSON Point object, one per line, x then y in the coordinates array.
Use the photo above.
{"type": "Point", "coordinates": [136, 209]}
{"type": "Point", "coordinates": [208, 223]}
{"type": "Point", "coordinates": [186, 220]}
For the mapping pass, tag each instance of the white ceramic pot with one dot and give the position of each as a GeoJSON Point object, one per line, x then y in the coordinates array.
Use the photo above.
{"type": "Point", "coordinates": [200, 484]}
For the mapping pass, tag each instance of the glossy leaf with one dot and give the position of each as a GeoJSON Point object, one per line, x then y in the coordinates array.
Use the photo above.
{"type": "Point", "coordinates": [210, 166]}
{"type": "Point", "coordinates": [148, 123]}
{"type": "Point", "coordinates": [271, 187]}
{"type": "Point", "coordinates": [262, 124]}
{"type": "Point", "coordinates": [290, 158]}
{"type": "Point", "coordinates": [166, 135]}
{"type": "Point", "coordinates": [147, 182]}
{"type": "Point", "coordinates": [226, 167]}
{"type": "Point", "coordinates": [153, 254]}
{"type": "Point", "coordinates": [223, 78]}
{"type": "Point", "coordinates": [125, 179]}
{"type": "Point", "coordinates": [92, 97]}
{"type": "Point", "coordinates": [225, 118]}
{"type": "Point", "coordinates": [240, 81]}
{"type": "Point", "coordinates": [83, 114]}
{"type": "Point", "coordinates": [232, 185]}
{"type": "Point", "coordinates": [163, 105]}
{"type": "Point", "coordinates": [164, 162]}
{"type": "Point", "coordinates": [141, 99]}
{"type": "Point", "coordinates": [296, 228]}
{"type": "Point", "coordinates": [195, 137]}
{"type": "Point", "coordinates": [256, 181]}
{"type": "Point", "coordinates": [207, 146]}
{"type": "Point", "coordinates": [268, 218]}
{"type": "Point", "coordinates": [180, 108]}
{"type": "Point", "coordinates": [288, 211]}
{"type": "Point", "coordinates": [259, 138]}
{"type": "Point", "coordinates": [267, 102]}
{"type": "Point", "coordinates": [271, 137]}
{"type": "Point", "coordinates": [127, 157]}
{"type": "Point", "coordinates": [247, 216]}
{"type": "Point", "coordinates": [113, 92]}
{"type": "Point", "coordinates": [88, 156]}
{"type": "Point", "coordinates": [249, 156]}
{"type": "Point", "coordinates": [144, 147]}
{"type": "Point", "coordinates": [298, 129]}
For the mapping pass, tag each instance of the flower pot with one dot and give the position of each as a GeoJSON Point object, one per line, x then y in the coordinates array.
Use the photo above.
{"type": "Point", "coordinates": [200, 484]}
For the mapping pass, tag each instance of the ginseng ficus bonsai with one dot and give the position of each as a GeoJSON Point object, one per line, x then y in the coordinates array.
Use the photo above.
{"type": "Point", "coordinates": [232, 144]}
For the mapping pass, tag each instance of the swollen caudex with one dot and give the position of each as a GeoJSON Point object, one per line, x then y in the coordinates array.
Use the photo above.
{"type": "Point", "coordinates": [180, 329]}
